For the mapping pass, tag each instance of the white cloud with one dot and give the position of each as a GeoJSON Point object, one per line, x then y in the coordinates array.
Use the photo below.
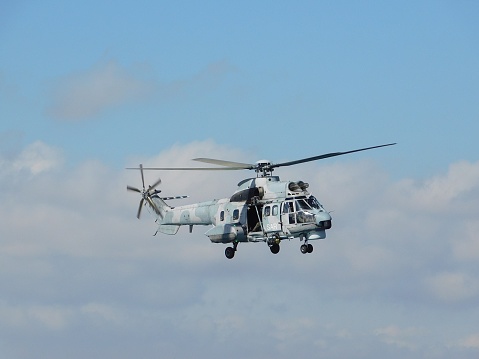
{"type": "Point", "coordinates": [401, 337]}
{"type": "Point", "coordinates": [107, 85]}
{"type": "Point", "coordinates": [100, 312]}
{"type": "Point", "coordinates": [73, 255]}
{"type": "Point", "coordinates": [91, 92]}
{"type": "Point", "coordinates": [452, 287]}
{"type": "Point", "coordinates": [200, 185]}
{"type": "Point", "coordinates": [47, 317]}
{"type": "Point", "coordinates": [466, 245]}
{"type": "Point", "coordinates": [470, 342]}
{"type": "Point", "coordinates": [34, 159]}
{"type": "Point", "coordinates": [456, 190]}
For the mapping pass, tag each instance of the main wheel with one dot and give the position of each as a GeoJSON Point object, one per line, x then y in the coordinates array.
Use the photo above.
{"type": "Point", "coordinates": [274, 248]}
{"type": "Point", "coordinates": [304, 248]}
{"type": "Point", "coordinates": [310, 248]}
{"type": "Point", "coordinates": [229, 252]}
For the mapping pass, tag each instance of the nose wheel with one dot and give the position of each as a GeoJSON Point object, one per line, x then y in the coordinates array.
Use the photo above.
{"type": "Point", "coordinates": [306, 248]}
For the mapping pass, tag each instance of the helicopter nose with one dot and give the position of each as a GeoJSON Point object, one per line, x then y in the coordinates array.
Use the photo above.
{"type": "Point", "coordinates": [323, 220]}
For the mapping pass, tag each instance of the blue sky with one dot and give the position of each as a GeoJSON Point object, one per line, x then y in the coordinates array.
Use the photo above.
{"type": "Point", "coordinates": [88, 88]}
{"type": "Point", "coordinates": [347, 75]}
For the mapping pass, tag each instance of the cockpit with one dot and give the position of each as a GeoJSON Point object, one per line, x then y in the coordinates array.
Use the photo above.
{"type": "Point", "coordinates": [302, 209]}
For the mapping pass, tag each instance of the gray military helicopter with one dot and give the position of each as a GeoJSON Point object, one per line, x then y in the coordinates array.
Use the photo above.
{"type": "Point", "coordinates": [262, 209]}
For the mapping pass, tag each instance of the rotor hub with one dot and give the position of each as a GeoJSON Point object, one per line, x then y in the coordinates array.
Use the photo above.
{"type": "Point", "coordinates": [264, 168]}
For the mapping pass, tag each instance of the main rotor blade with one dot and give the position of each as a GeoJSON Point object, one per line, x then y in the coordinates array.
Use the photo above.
{"type": "Point", "coordinates": [225, 163]}
{"type": "Point", "coordinates": [327, 155]}
{"type": "Point", "coordinates": [188, 168]}
{"type": "Point", "coordinates": [234, 166]}
{"type": "Point", "coordinates": [134, 189]}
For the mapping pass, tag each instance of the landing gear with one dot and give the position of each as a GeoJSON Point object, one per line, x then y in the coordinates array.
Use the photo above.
{"type": "Point", "coordinates": [273, 243]}
{"type": "Point", "coordinates": [274, 248]}
{"type": "Point", "coordinates": [306, 248]}
{"type": "Point", "coordinates": [230, 251]}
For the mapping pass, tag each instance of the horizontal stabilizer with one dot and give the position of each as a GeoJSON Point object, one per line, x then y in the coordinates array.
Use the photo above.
{"type": "Point", "coordinates": [168, 229]}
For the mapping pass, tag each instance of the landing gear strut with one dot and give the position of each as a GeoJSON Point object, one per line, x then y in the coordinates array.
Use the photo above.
{"type": "Point", "coordinates": [230, 251]}
{"type": "Point", "coordinates": [306, 248]}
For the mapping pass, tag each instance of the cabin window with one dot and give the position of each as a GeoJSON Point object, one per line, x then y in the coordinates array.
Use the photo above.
{"type": "Point", "coordinates": [222, 216]}
{"type": "Point", "coordinates": [235, 214]}
{"type": "Point", "coordinates": [267, 211]}
{"type": "Point", "coordinates": [275, 210]}
{"type": "Point", "coordinates": [288, 207]}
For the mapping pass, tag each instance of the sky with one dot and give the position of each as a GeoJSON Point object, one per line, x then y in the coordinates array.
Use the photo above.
{"type": "Point", "coordinates": [89, 88]}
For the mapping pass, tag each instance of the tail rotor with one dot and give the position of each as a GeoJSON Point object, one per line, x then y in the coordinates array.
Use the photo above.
{"type": "Point", "coordinates": [146, 194]}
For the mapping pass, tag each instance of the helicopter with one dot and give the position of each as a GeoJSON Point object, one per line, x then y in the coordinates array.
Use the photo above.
{"type": "Point", "coordinates": [262, 209]}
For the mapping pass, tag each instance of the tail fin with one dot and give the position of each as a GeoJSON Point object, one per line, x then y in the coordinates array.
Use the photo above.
{"type": "Point", "coordinates": [161, 205]}
{"type": "Point", "coordinates": [163, 208]}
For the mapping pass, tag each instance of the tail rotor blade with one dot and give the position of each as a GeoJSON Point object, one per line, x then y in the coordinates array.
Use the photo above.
{"type": "Point", "coordinates": [154, 185]}
{"type": "Point", "coordinates": [134, 189]}
{"type": "Point", "coordinates": [139, 208]}
{"type": "Point", "coordinates": [142, 176]}
{"type": "Point", "coordinates": [153, 205]}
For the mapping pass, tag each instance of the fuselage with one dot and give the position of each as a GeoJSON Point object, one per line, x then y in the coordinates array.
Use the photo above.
{"type": "Point", "coordinates": [261, 209]}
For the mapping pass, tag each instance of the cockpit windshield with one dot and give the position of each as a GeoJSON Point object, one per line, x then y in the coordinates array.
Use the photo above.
{"type": "Point", "coordinates": [314, 203]}
{"type": "Point", "coordinates": [301, 204]}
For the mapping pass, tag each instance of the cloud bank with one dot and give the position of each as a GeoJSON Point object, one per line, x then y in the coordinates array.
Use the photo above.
{"type": "Point", "coordinates": [82, 276]}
